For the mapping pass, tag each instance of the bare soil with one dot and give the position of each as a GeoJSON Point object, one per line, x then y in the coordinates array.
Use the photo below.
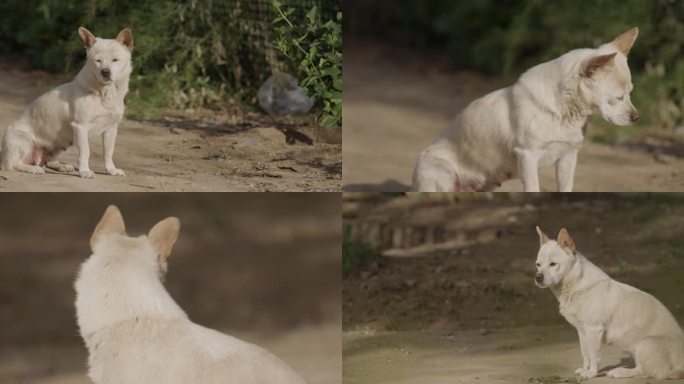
{"type": "Point", "coordinates": [451, 297]}
{"type": "Point", "coordinates": [397, 102]}
{"type": "Point", "coordinates": [262, 267]}
{"type": "Point", "coordinates": [546, 355]}
{"type": "Point", "coordinates": [189, 151]}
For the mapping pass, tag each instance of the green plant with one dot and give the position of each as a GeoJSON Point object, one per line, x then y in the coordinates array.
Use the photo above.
{"type": "Point", "coordinates": [354, 251]}
{"type": "Point", "coordinates": [313, 50]}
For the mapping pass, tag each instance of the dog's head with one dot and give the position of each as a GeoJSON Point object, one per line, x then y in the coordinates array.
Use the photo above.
{"type": "Point", "coordinates": [110, 59]}
{"type": "Point", "coordinates": [607, 81]}
{"type": "Point", "coordinates": [147, 255]}
{"type": "Point", "coordinates": [555, 258]}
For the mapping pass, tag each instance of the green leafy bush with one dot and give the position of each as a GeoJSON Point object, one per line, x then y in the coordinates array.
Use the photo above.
{"type": "Point", "coordinates": [314, 51]}
{"type": "Point", "coordinates": [187, 54]}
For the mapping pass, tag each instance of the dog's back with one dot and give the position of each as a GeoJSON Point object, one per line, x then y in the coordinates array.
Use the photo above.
{"type": "Point", "coordinates": [176, 351]}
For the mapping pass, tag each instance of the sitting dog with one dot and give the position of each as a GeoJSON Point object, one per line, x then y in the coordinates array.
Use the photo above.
{"type": "Point", "coordinates": [92, 104]}
{"type": "Point", "coordinates": [538, 121]}
{"type": "Point", "coordinates": [604, 309]}
{"type": "Point", "coordinates": [136, 333]}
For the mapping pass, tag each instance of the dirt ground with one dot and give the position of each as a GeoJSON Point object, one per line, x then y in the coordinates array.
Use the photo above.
{"type": "Point", "coordinates": [452, 296]}
{"type": "Point", "coordinates": [547, 355]}
{"type": "Point", "coordinates": [222, 151]}
{"type": "Point", "coordinates": [396, 103]}
{"type": "Point", "coordinates": [262, 267]}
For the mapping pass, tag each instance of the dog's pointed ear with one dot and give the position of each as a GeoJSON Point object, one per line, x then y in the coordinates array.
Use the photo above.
{"type": "Point", "coordinates": [596, 63]}
{"type": "Point", "coordinates": [125, 37]}
{"type": "Point", "coordinates": [163, 235]}
{"type": "Point", "coordinates": [87, 37]}
{"type": "Point", "coordinates": [625, 41]}
{"type": "Point", "coordinates": [565, 241]}
{"type": "Point", "coordinates": [543, 239]}
{"type": "Point", "coordinates": [111, 222]}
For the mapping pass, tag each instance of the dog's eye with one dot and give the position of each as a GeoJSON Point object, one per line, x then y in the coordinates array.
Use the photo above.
{"type": "Point", "coordinates": [553, 264]}
{"type": "Point", "coordinates": [115, 60]}
{"type": "Point", "coordinates": [98, 61]}
{"type": "Point", "coordinates": [538, 265]}
{"type": "Point", "coordinates": [621, 98]}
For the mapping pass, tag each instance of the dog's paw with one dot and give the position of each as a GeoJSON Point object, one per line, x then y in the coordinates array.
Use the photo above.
{"type": "Point", "coordinates": [116, 172]}
{"type": "Point", "coordinates": [622, 373]}
{"type": "Point", "coordinates": [64, 168]}
{"type": "Point", "coordinates": [34, 170]}
{"type": "Point", "coordinates": [86, 174]}
{"type": "Point", "coordinates": [586, 373]}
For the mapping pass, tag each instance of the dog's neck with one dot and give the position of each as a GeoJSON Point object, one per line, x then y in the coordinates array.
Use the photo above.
{"type": "Point", "coordinates": [573, 108]}
{"type": "Point", "coordinates": [114, 293]}
{"type": "Point", "coordinates": [582, 276]}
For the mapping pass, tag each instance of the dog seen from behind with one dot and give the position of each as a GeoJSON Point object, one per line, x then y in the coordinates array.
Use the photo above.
{"type": "Point", "coordinates": [603, 309]}
{"type": "Point", "coordinates": [136, 333]}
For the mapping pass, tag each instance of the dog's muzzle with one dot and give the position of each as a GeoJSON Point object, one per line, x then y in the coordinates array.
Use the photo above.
{"type": "Point", "coordinates": [106, 73]}
{"type": "Point", "coordinates": [634, 116]}
{"type": "Point", "coordinates": [539, 278]}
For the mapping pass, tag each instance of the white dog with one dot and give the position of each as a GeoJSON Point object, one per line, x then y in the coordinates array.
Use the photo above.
{"type": "Point", "coordinates": [538, 121]}
{"type": "Point", "coordinates": [136, 333]}
{"type": "Point", "coordinates": [92, 104]}
{"type": "Point", "coordinates": [604, 309]}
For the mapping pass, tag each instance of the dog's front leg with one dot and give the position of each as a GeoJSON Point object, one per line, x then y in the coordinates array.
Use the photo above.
{"type": "Point", "coordinates": [81, 139]}
{"type": "Point", "coordinates": [528, 168]}
{"type": "Point", "coordinates": [592, 344]}
{"type": "Point", "coordinates": [565, 171]}
{"type": "Point", "coordinates": [108, 141]}
{"type": "Point", "coordinates": [585, 355]}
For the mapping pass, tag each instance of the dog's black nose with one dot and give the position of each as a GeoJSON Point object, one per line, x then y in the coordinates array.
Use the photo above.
{"type": "Point", "coordinates": [538, 277]}
{"type": "Point", "coordinates": [634, 116]}
{"type": "Point", "coordinates": [106, 72]}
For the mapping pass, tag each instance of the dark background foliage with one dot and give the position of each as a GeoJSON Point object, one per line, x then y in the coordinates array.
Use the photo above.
{"type": "Point", "coordinates": [188, 53]}
{"type": "Point", "coordinates": [508, 36]}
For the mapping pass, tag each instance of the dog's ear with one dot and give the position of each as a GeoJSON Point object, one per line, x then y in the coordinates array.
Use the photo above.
{"type": "Point", "coordinates": [543, 239]}
{"type": "Point", "coordinates": [87, 37]}
{"type": "Point", "coordinates": [163, 235]}
{"type": "Point", "coordinates": [596, 63]}
{"type": "Point", "coordinates": [125, 37]}
{"type": "Point", "coordinates": [565, 241]}
{"type": "Point", "coordinates": [111, 222]}
{"type": "Point", "coordinates": [625, 41]}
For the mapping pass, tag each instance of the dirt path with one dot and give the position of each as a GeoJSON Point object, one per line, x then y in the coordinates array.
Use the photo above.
{"type": "Point", "coordinates": [394, 108]}
{"type": "Point", "coordinates": [546, 355]}
{"type": "Point", "coordinates": [218, 153]}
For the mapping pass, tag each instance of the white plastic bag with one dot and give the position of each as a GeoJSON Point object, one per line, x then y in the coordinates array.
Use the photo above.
{"type": "Point", "coordinates": [281, 95]}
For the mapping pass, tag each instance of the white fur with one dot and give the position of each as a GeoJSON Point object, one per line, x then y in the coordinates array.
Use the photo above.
{"type": "Point", "coordinates": [89, 105]}
{"type": "Point", "coordinates": [536, 122]}
{"type": "Point", "coordinates": [136, 333]}
{"type": "Point", "coordinates": [604, 309]}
